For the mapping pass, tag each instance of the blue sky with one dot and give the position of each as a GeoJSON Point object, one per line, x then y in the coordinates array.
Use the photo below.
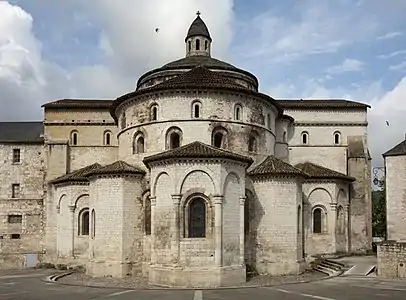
{"type": "Point", "coordinates": [354, 49]}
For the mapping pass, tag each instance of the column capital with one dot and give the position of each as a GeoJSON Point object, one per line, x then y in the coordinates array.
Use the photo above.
{"type": "Point", "coordinates": [333, 206]}
{"type": "Point", "coordinates": [153, 200]}
{"type": "Point", "coordinates": [218, 199]}
{"type": "Point", "coordinates": [242, 200]}
{"type": "Point", "coordinates": [176, 198]}
{"type": "Point", "coordinates": [72, 208]}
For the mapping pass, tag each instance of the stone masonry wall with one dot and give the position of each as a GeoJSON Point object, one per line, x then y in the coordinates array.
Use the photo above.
{"type": "Point", "coordinates": [392, 260]}
{"type": "Point", "coordinates": [21, 217]}
{"type": "Point", "coordinates": [396, 197]}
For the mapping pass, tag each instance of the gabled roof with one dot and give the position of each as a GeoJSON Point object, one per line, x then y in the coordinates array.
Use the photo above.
{"type": "Point", "coordinates": [79, 103]}
{"type": "Point", "coordinates": [274, 166]}
{"type": "Point", "coordinates": [320, 103]}
{"type": "Point", "coordinates": [199, 77]}
{"type": "Point", "coordinates": [198, 28]}
{"type": "Point", "coordinates": [314, 171]}
{"type": "Point", "coordinates": [197, 150]}
{"type": "Point", "coordinates": [118, 167]}
{"type": "Point", "coordinates": [21, 132]}
{"type": "Point", "coordinates": [78, 175]}
{"type": "Point", "coordinates": [399, 149]}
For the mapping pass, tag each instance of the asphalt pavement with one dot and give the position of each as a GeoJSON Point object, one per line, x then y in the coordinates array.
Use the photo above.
{"type": "Point", "coordinates": [27, 285]}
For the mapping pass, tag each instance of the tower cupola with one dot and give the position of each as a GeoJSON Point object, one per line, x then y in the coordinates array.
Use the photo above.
{"type": "Point", "coordinates": [198, 39]}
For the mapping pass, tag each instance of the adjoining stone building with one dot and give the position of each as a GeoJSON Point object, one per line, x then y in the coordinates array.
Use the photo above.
{"type": "Point", "coordinates": [193, 176]}
{"type": "Point", "coordinates": [392, 253]}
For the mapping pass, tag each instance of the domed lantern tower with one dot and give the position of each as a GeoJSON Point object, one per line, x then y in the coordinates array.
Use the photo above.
{"type": "Point", "coordinates": [198, 39]}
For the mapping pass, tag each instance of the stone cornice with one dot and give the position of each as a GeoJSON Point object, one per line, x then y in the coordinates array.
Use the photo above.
{"type": "Point", "coordinates": [196, 161]}
{"type": "Point", "coordinates": [331, 124]}
{"type": "Point", "coordinates": [79, 123]}
{"type": "Point", "coordinates": [124, 175]}
{"type": "Point", "coordinates": [276, 177]}
{"type": "Point", "coordinates": [317, 146]}
{"type": "Point", "coordinates": [70, 183]}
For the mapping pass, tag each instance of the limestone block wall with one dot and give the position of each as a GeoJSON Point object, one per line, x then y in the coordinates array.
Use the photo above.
{"type": "Point", "coordinates": [80, 157]}
{"type": "Point", "coordinates": [392, 259]}
{"type": "Point", "coordinates": [116, 221]}
{"type": "Point", "coordinates": [332, 198]}
{"type": "Point", "coordinates": [21, 216]}
{"type": "Point", "coordinates": [396, 197]}
{"type": "Point", "coordinates": [275, 222]}
{"type": "Point", "coordinates": [217, 112]}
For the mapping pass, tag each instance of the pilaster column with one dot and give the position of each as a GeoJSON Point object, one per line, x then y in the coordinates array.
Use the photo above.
{"type": "Point", "coordinates": [218, 230]}
{"type": "Point", "coordinates": [175, 228]}
{"type": "Point", "coordinates": [347, 227]}
{"type": "Point", "coordinates": [72, 229]}
{"type": "Point", "coordinates": [153, 205]}
{"type": "Point", "coordinates": [333, 224]}
{"type": "Point", "coordinates": [242, 231]}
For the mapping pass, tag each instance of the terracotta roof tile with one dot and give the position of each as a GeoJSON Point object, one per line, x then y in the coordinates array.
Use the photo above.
{"type": "Point", "coordinates": [314, 171]}
{"type": "Point", "coordinates": [399, 149]}
{"type": "Point", "coordinates": [79, 103]}
{"type": "Point", "coordinates": [78, 175]}
{"type": "Point", "coordinates": [197, 150]}
{"type": "Point", "coordinates": [118, 167]}
{"type": "Point", "coordinates": [320, 103]}
{"type": "Point", "coordinates": [274, 166]}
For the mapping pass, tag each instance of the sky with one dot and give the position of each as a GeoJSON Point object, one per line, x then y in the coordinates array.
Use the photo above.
{"type": "Point", "coordinates": [352, 49]}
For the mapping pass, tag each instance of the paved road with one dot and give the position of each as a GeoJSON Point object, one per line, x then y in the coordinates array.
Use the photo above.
{"type": "Point", "coordinates": [28, 286]}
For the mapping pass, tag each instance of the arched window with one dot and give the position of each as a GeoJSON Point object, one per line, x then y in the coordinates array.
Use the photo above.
{"type": "Point", "coordinates": [197, 218]}
{"type": "Point", "coordinates": [252, 144]}
{"type": "Point", "coordinates": [337, 138]}
{"type": "Point", "coordinates": [190, 46]}
{"type": "Point", "coordinates": [284, 137]}
{"type": "Point", "coordinates": [197, 44]}
{"type": "Point", "coordinates": [246, 216]}
{"type": "Point", "coordinates": [107, 138]}
{"type": "Point", "coordinates": [268, 120]}
{"type": "Point", "coordinates": [238, 112]}
{"type": "Point", "coordinates": [93, 223]}
{"type": "Point", "coordinates": [317, 220]}
{"type": "Point", "coordinates": [123, 122]}
{"type": "Point", "coordinates": [138, 143]}
{"type": "Point", "coordinates": [218, 140]}
{"type": "Point", "coordinates": [84, 222]}
{"type": "Point", "coordinates": [305, 138]}
{"type": "Point", "coordinates": [196, 109]}
{"type": "Point", "coordinates": [219, 137]}
{"type": "Point", "coordinates": [154, 112]}
{"type": "Point", "coordinates": [206, 45]}
{"type": "Point", "coordinates": [173, 138]}
{"type": "Point", "coordinates": [147, 216]}
{"type": "Point", "coordinates": [74, 137]}
{"type": "Point", "coordinates": [299, 219]}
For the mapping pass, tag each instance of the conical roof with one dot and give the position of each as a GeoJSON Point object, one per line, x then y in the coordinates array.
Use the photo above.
{"type": "Point", "coordinates": [198, 28]}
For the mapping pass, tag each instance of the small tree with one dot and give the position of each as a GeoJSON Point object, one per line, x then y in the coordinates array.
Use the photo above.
{"type": "Point", "coordinates": [379, 211]}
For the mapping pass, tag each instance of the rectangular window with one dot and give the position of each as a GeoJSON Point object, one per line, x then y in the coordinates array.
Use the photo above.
{"type": "Point", "coordinates": [16, 155]}
{"type": "Point", "coordinates": [15, 190]}
{"type": "Point", "coordinates": [15, 236]}
{"type": "Point", "coordinates": [15, 219]}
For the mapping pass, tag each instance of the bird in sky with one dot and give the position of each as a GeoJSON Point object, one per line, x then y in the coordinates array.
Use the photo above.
{"type": "Point", "coordinates": [156, 30]}
{"type": "Point", "coordinates": [387, 123]}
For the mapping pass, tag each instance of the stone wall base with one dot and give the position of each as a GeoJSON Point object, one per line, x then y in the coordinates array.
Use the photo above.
{"type": "Point", "coordinates": [281, 268]}
{"type": "Point", "coordinates": [116, 269]}
{"type": "Point", "coordinates": [196, 277]}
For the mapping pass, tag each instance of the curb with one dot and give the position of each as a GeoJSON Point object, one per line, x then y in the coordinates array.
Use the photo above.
{"type": "Point", "coordinates": [54, 279]}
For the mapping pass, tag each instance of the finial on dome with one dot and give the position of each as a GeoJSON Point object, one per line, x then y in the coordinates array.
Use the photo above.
{"type": "Point", "coordinates": [198, 39]}
{"type": "Point", "coordinates": [198, 13]}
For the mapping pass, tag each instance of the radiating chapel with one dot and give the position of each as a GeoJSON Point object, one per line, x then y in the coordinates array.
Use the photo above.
{"type": "Point", "coordinates": [188, 180]}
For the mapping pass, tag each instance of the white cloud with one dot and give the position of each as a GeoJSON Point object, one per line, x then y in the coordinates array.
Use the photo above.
{"type": "Point", "coordinates": [348, 65]}
{"type": "Point", "coordinates": [389, 35]}
{"type": "Point", "coordinates": [399, 67]}
{"type": "Point", "coordinates": [392, 54]}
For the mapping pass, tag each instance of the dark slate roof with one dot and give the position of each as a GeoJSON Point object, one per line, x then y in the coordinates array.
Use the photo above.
{"type": "Point", "coordinates": [399, 149]}
{"type": "Point", "coordinates": [320, 103]}
{"type": "Point", "coordinates": [118, 167]}
{"type": "Point", "coordinates": [78, 175]}
{"type": "Point", "coordinates": [197, 150]}
{"type": "Point", "coordinates": [79, 103]}
{"type": "Point", "coordinates": [198, 28]}
{"type": "Point", "coordinates": [199, 77]}
{"type": "Point", "coordinates": [21, 132]}
{"type": "Point", "coordinates": [314, 171]}
{"type": "Point", "coordinates": [274, 166]}
{"type": "Point", "coordinates": [196, 60]}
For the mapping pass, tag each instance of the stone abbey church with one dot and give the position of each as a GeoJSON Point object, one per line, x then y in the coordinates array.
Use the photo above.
{"type": "Point", "coordinates": [187, 180]}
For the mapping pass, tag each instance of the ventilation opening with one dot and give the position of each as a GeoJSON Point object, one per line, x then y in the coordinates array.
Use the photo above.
{"type": "Point", "coordinates": [197, 44]}
{"type": "Point", "coordinates": [175, 140]}
{"type": "Point", "coordinates": [15, 236]}
{"type": "Point", "coordinates": [218, 140]}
